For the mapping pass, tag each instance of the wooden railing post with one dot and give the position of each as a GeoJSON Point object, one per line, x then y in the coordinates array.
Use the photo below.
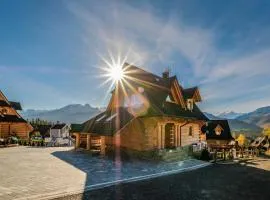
{"type": "Point", "coordinates": [77, 142]}
{"type": "Point", "coordinates": [88, 142]}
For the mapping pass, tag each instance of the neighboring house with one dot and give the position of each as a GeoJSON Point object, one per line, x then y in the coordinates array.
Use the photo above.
{"type": "Point", "coordinates": [59, 131]}
{"type": "Point", "coordinates": [146, 113]}
{"type": "Point", "coordinates": [11, 123]}
{"type": "Point", "coordinates": [218, 133]}
{"type": "Point", "coordinates": [42, 130]}
{"type": "Point", "coordinates": [261, 142]}
{"type": "Point", "coordinates": [59, 135]}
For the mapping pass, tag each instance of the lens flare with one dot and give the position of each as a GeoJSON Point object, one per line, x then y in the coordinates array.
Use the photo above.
{"type": "Point", "coordinates": [116, 73]}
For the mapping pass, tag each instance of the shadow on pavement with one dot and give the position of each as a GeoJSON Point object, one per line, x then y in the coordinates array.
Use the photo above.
{"type": "Point", "coordinates": [231, 181]}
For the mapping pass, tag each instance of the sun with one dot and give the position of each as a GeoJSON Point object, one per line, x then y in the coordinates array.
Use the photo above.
{"type": "Point", "coordinates": [114, 70]}
{"type": "Point", "coordinates": [116, 73]}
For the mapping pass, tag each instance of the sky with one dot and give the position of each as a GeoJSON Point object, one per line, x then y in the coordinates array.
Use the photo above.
{"type": "Point", "coordinates": [51, 51]}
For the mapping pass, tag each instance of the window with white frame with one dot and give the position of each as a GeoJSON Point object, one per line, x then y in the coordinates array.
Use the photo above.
{"type": "Point", "coordinates": [190, 104]}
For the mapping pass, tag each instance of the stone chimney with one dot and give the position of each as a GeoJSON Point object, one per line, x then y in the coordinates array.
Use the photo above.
{"type": "Point", "coordinates": [166, 73]}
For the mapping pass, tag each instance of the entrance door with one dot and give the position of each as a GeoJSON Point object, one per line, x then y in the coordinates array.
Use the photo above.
{"type": "Point", "coordinates": [169, 136]}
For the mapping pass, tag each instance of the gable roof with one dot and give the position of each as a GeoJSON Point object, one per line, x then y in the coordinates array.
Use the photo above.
{"type": "Point", "coordinates": [259, 141]}
{"type": "Point", "coordinates": [154, 93]}
{"type": "Point", "coordinates": [155, 87]}
{"type": "Point", "coordinates": [75, 128]}
{"type": "Point", "coordinates": [58, 126]}
{"type": "Point", "coordinates": [42, 129]}
{"type": "Point", "coordinates": [108, 122]}
{"type": "Point", "coordinates": [192, 93]}
{"type": "Point", "coordinates": [172, 109]}
{"type": "Point", "coordinates": [209, 130]}
{"type": "Point", "coordinates": [11, 118]}
{"type": "Point", "coordinates": [15, 105]}
{"type": "Point", "coordinates": [4, 103]}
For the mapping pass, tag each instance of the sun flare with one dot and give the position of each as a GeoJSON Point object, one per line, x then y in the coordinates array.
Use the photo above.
{"type": "Point", "coordinates": [116, 73]}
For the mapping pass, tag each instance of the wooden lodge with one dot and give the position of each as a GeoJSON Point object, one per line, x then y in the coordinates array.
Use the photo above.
{"type": "Point", "coordinates": [219, 139]}
{"type": "Point", "coordinates": [146, 113]}
{"type": "Point", "coordinates": [11, 123]}
{"type": "Point", "coordinates": [218, 133]}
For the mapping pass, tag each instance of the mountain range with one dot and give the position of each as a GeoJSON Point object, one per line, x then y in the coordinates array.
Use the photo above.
{"type": "Point", "coordinates": [250, 123]}
{"type": "Point", "coordinates": [238, 126]}
{"type": "Point", "coordinates": [229, 115]}
{"type": "Point", "coordinates": [73, 113]}
{"type": "Point", "coordinates": [260, 117]}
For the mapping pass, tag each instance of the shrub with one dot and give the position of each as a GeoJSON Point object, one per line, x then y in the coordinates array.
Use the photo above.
{"type": "Point", "coordinates": [205, 155]}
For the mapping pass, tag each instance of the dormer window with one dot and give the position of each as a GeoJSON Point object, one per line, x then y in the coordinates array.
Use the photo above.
{"type": "Point", "coordinates": [169, 99]}
{"type": "Point", "coordinates": [190, 104]}
{"type": "Point", "coordinates": [218, 130]}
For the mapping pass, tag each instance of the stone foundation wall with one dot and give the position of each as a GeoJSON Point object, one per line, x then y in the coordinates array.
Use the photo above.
{"type": "Point", "coordinates": [181, 153]}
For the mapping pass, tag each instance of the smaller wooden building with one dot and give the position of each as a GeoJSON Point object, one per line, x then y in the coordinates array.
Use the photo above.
{"type": "Point", "coordinates": [261, 142]}
{"type": "Point", "coordinates": [217, 132]}
{"type": "Point", "coordinates": [11, 123]}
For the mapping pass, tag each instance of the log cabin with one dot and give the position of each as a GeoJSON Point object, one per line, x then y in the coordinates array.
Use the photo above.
{"type": "Point", "coordinates": [146, 113]}
{"type": "Point", "coordinates": [11, 123]}
{"type": "Point", "coordinates": [218, 133]}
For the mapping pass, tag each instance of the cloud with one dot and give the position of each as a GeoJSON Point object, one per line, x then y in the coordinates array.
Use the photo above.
{"type": "Point", "coordinates": [228, 77]}
{"type": "Point", "coordinates": [149, 38]}
{"type": "Point", "coordinates": [243, 67]}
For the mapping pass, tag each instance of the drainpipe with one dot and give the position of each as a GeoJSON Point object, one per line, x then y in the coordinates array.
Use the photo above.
{"type": "Point", "coordinates": [187, 122]}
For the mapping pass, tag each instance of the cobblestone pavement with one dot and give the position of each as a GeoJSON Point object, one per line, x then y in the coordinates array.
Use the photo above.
{"type": "Point", "coordinates": [37, 173]}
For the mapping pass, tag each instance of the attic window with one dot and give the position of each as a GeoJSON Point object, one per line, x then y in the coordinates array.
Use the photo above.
{"type": "Point", "coordinates": [111, 117]}
{"type": "Point", "coordinates": [103, 116]}
{"type": "Point", "coordinates": [218, 130]}
{"type": "Point", "coordinates": [190, 104]}
{"type": "Point", "coordinates": [169, 99]}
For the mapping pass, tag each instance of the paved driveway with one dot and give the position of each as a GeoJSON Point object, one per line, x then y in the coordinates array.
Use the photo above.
{"type": "Point", "coordinates": [47, 172]}
{"type": "Point", "coordinates": [247, 180]}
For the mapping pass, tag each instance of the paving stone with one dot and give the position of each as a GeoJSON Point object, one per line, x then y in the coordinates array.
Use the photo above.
{"type": "Point", "coordinates": [27, 171]}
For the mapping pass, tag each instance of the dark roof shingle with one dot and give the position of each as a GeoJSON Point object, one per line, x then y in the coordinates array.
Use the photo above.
{"type": "Point", "coordinates": [108, 122]}
{"type": "Point", "coordinates": [58, 126]}
{"type": "Point", "coordinates": [189, 92]}
{"type": "Point", "coordinates": [11, 118]}
{"type": "Point", "coordinates": [155, 90]}
{"type": "Point", "coordinates": [209, 130]}
{"type": "Point", "coordinates": [15, 105]}
{"type": "Point", "coordinates": [4, 103]}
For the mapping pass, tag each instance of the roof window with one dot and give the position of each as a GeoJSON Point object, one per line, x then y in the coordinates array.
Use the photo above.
{"type": "Point", "coordinates": [103, 116]}
{"type": "Point", "coordinates": [111, 117]}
